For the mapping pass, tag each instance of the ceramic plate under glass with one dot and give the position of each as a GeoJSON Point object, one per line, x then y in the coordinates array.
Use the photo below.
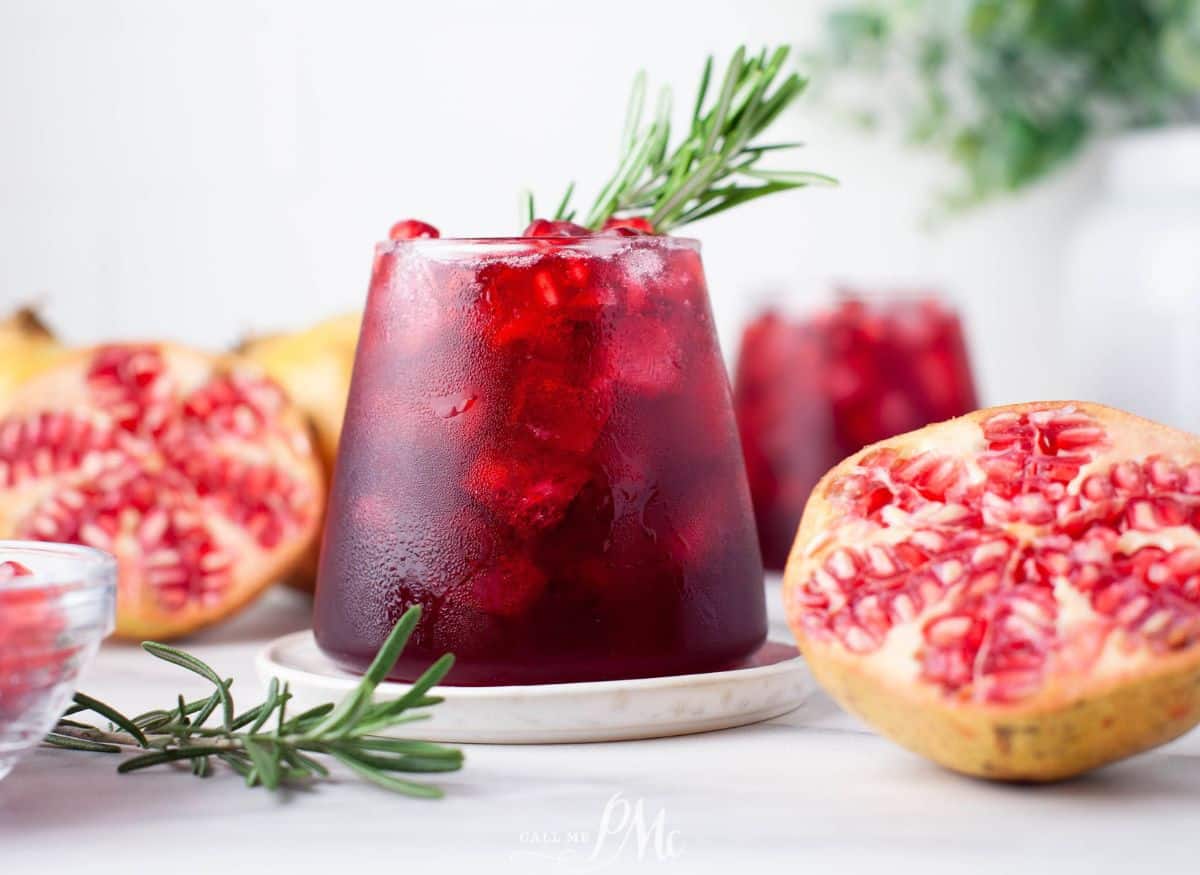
{"type": "Point", "coordinates": [774, 682]}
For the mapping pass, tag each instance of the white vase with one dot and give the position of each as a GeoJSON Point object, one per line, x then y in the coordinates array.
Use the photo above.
{"type": "Point", "coordinates": [1131, 310]}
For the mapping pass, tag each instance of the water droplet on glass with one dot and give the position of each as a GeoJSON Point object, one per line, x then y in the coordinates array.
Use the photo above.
{"type": "Point", "coordinates": [450, 406]}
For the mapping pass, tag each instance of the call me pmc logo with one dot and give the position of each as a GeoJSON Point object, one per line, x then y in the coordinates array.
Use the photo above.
{"type": "Point", "coordinates": [626, 832]}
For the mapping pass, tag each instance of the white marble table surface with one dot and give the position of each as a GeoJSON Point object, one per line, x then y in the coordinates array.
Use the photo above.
{"type": "Point", "coordinates": [808, 792]}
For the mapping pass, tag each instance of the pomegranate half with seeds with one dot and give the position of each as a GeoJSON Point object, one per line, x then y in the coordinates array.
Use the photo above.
{"type": "Point", "coordinates": [1015, 593]}
{"type": "Point", "coordinates": [194, 470]}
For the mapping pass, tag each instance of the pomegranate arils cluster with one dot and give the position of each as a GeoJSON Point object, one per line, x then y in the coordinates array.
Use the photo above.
{"type": "Point", "coordinates": [51, 441]}
{"type": "Point", "coordinates": [1022, 550]}
{"type": "Point", "coordinates": [31, 658]}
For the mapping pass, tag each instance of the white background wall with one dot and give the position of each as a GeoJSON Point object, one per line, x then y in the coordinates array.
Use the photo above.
{"type": "Point", "coordinates": [202, 170]}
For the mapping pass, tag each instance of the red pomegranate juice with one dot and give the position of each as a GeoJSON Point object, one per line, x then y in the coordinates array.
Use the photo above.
{"type": "Point", "coordinates": [812, 390]}
{"type": "Point", "coordinates": [540, 449]}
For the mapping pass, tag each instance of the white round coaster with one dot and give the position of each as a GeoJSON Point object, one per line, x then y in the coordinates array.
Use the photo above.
{"type": "Point", "coordinates": [774, 682]}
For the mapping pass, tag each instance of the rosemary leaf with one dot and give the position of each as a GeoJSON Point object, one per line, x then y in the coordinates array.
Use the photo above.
{"type": "Point", "coordinates": [390, 782]}
{"type": "Point", "coordinates": [265, 763]}
{"type": "Point", "coordinates": [268, 707]}
{"type": "Point", "coordinates": [432, 676]}
{"type": "Point", "coordinates": [702, 91]}
{"type": "Point", "coordinates": [562, 212]}
{"type": "Point", "coordinates": [237, 762]}
{"type": "Point", "coordinates": [300, 761]}
{"type": "Point", "coordinates": [209, 705]}
{"type": "Point", "coordinates": [159, 757]}
{"type": "Point", "coordinates": [354, 704]}
{"type": "Point", "coordinates": [192, 664]}
{"type": "Point", "coordinates": [70, 742]}
{"type": "Point", "coordinates": [112, 714]}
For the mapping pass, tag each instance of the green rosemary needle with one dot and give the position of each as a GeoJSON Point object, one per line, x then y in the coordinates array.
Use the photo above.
{"type": "Point", "coordinates": [716, 166]}
{"type": "Point", "coordinates": [265, 745]}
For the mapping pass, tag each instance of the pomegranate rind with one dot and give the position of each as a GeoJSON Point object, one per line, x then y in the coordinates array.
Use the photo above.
{"type": "Point", "coordinates": [1049, 743]}
{"type": "Point", "coordinates": [27, 348]}
{"type": "Point", "coordinates": [274, 463]}
{"type": "Point", "coordinates": [1109, 697]}
{"type": "Point", "coordinates": [314, 367]}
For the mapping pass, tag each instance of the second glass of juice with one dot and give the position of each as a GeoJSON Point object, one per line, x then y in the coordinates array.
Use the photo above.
{"type": "Point", "coordinates": [540, 449]}
{"type": "Point", "coordinates": [816, 386]}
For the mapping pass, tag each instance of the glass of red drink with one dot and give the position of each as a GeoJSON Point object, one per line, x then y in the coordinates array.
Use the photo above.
{"type": "Point", "coordinates": [813, 388]}
{"type": "Point", "coordinates": [540, 449]}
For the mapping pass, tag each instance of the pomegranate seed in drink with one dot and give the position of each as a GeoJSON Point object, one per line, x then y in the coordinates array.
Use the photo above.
{"type": "Point", "coordinates": [811, 391]}
{"type": "Point", "coordinates": [548, 228]}
{"type": "Point", "coordinates": [412, 229]}
{"type": "Point", "coordinates": [636, 224]}
{"type": "Point", "coordinates": [539, 448]}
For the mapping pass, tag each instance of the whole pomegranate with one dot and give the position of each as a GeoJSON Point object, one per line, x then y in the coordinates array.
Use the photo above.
{"type": "Point", "coordinates": [1014, 594]}
{"type": "Point", "coordinates": [194, 470]}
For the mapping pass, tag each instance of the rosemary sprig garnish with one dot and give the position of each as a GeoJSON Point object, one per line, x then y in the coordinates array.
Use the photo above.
{"type": "Point", "coordinates": [716, 166]}
{"type": "Point", "coordinates": [266, 746]}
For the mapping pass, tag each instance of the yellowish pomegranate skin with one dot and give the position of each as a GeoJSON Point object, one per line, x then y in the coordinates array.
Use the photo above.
{"type": "Point", "coordinates": [1047, 743]}
{"type": "Point", "coordinates": [27, 347]}
{"type": "Point", "coordinates": [1069, 726]}
{"type": "Point", "coordinates": [254, 568]}
{"type": "Point", "coordinates": [314, 367]}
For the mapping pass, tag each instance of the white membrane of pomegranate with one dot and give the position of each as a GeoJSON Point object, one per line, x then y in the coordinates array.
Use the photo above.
{"type": "Point", "coordinates": [993, 560]}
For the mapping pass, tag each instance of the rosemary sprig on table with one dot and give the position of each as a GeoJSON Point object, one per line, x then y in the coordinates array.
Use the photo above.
{"type": "Point", "coordinates": [716, 166]}
{"type": "Point", "coordinates": [266, 746]}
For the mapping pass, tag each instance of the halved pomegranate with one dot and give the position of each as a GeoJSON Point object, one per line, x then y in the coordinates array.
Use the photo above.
{"type": "Point", "coordinates": [1015, 593]}
{"type": "Point", "coordinates": [194, 470]}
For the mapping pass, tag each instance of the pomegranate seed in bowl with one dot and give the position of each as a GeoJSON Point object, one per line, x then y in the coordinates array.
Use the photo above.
{"type": "Point", "coordinates": [56, 605]}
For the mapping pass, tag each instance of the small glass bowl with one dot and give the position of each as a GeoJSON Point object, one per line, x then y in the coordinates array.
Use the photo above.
{"type": "Point", "coordinates": [51, 624]}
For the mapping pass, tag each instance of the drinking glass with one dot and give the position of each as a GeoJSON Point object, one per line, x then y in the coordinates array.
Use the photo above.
{"type": "Point", "coordinates": [815, 386]}
{"type": "Point", "coordinates": [540, 450]}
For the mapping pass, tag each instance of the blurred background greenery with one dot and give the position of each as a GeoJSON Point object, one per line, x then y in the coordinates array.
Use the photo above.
{"type": "Point", "coordinates": [1010, 90]}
